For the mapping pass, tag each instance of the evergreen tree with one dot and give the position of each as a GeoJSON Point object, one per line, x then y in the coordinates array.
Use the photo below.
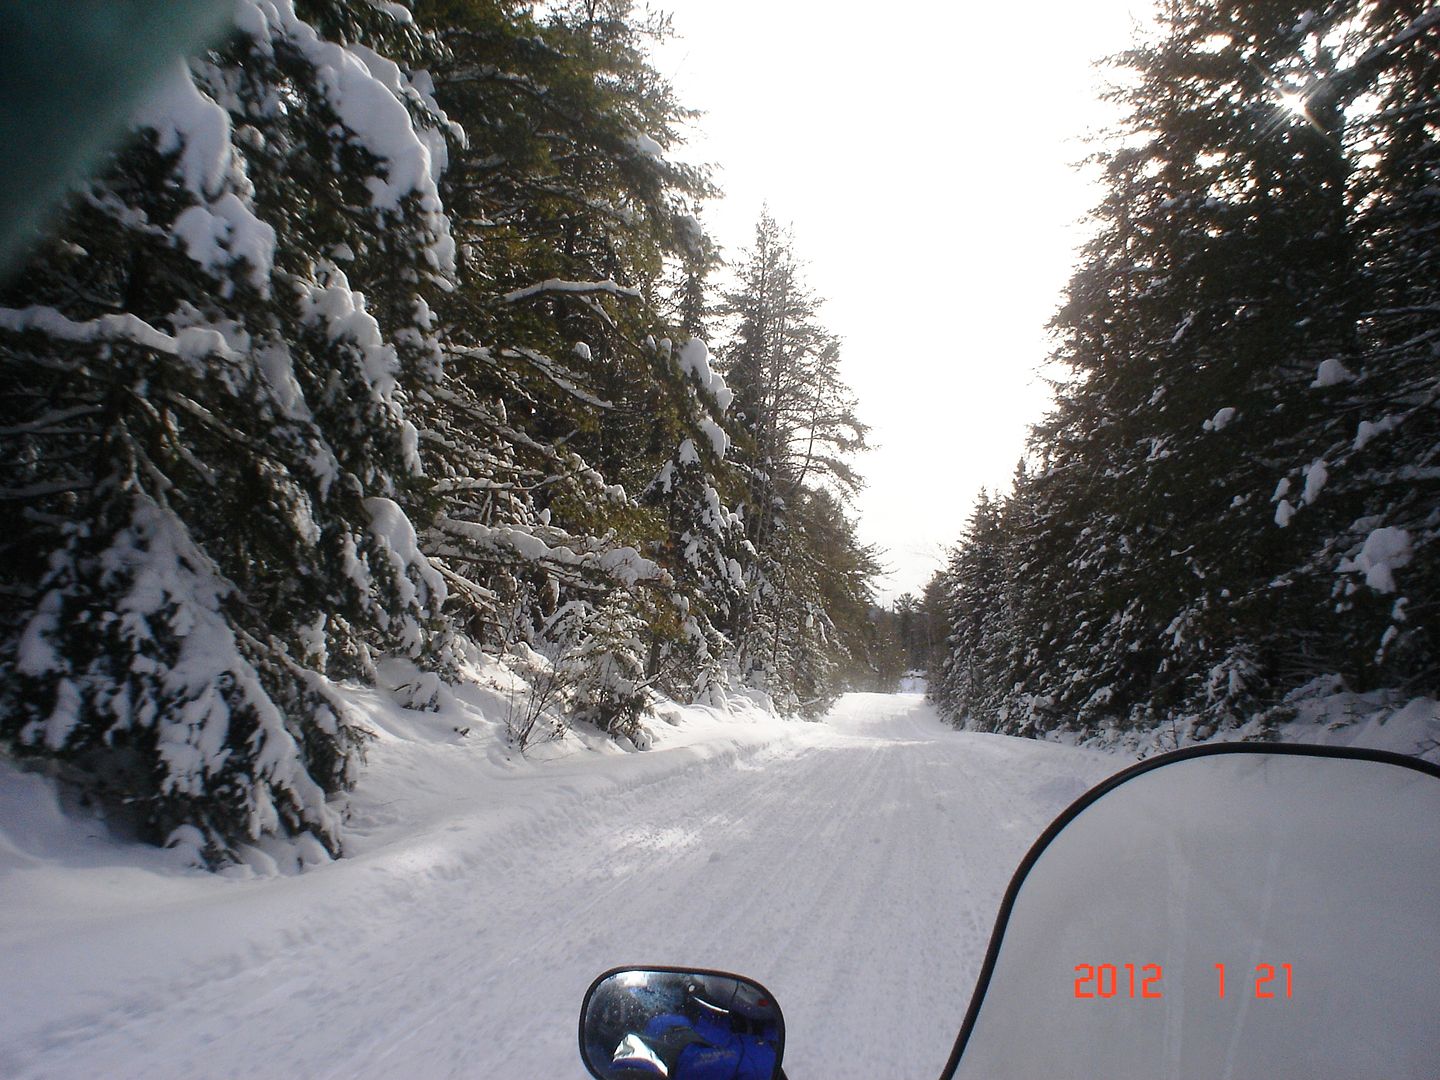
{"type": "Point", "coordinates": [1201, 480]}
{"type": "Point", "coordinates": [797, 427]}
{"type": "Point", "coordinates": [364, 348]}
{"type": "Point", "coordinates": [561, 401]}
{"type": "Point", "coordinates": [210, 434]}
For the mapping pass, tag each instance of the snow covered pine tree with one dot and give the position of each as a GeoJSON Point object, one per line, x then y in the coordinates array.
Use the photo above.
{"type": "Point", "coordinates": [206, 434]}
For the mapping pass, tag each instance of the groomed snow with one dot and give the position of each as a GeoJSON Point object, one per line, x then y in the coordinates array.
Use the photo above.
{"type": "Point", "coordinates": [853, 866]}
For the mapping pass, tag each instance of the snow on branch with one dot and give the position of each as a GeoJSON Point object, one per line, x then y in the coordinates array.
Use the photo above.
{"type": "Point", "coordinates": [556, 285]}
{"type": "Point", "coordinates": [623, 565]}
{"type": "Point", "coordinates": [1350, 80]}
{"type": "Point", "coordinates": [48, 424]}
{"type": "Point", "coordinates": [556, 374]}
{"type": "Point", "coordinates": [190, 343]}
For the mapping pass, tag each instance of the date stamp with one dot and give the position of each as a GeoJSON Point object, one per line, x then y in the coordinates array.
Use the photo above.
{"type": "Point", "coordinates": [1145, 982]}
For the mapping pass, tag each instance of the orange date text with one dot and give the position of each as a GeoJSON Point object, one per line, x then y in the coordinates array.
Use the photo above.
{"type": "Point", "coordinates": [1139, 982]}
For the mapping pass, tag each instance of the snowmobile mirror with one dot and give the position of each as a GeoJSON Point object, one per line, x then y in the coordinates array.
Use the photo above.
{"type": "Point", "coordinates": [1235, 911]}
{"type": "Point", "coordinates": [673, 1024]}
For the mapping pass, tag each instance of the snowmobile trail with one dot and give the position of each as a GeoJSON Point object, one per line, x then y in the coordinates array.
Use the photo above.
{"type": "Point", "coordinates": [853, 866]}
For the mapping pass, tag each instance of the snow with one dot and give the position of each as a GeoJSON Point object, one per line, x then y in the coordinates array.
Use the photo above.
{"type": "Point", "coordinates": [1283, 513]}
{"type": "Point", "coordinates": [1366, 430]}
{"type": "Point", "coordinates": [127, 328]}
{"type": "Point", "coordinates": [368, 106]}
{"type": "Point", "coordinates": [399, 12]}
{"type": "Point", "coordinates": [719, 441]}
{"type": "Point", "coordinates": [692, 233]}
{"type": "Point", "coordinates": [1321, 711]}
{"type": "Point", "coordinates": [186, 121]}
{"type": "Point", "coordinates": [644, 144]}
{"type": "Point", "coordinates": [221, 226]}
{"type": "Point", "coordinates": [368, 93]}
{"type": "Point", "coordinates": [36, 655]}
{"type": "Point", "coordinates": [396, 536]}
{"type": "Point", "coordinates": [1315, 478]}
{"type": "Point", "coordinates": [484, 891]}
{"type": "Point", "coordinates": [694, 360]}
{"type": "Point", "coordinates": [1220, 419]}
{"type": "Point", "coordinates": [225, 230]}
{"type": "Point", "coordinates": [1385, 550]}
{"type": "Point", "coordinates": [625, 566]}
{"type": "Point", "coordinates": [342, 313]}
{"type": "Point", "coordinates": [562, 286]}
{"type": "Point", "coordinates": [1331, 373]}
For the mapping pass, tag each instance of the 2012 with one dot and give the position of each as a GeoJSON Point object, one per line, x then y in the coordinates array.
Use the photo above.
{"type": "Point", "coordinates": [1105, 981]}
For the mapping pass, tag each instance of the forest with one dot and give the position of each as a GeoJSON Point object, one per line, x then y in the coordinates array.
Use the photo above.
{"type": "Point", "coordinates": [393, 334]}
{"type": "Point", "coordinates": [1234, 504]}
{"type": "Point", "coordinates": [393, 341]}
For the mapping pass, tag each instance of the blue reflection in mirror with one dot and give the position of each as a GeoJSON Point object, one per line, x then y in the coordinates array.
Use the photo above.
{"type": "Point", "coordinates": [669, 1024]}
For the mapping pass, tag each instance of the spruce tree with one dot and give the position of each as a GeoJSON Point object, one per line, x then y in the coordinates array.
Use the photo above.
{"type": "Point", "coordinates": [1214, 517]}
{"type": "Point", "coordinates": [212, 437]}
{"type": "Point", "coordinates": [561, 404]}
{"type": "Point", "coordinates": [797, 429]}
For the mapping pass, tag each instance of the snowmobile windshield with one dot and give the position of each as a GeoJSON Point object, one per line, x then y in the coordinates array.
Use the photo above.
{"type": "Point", "coordinates": [1237, 912]}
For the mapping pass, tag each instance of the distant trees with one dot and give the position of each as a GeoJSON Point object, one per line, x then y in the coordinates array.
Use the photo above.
{"type": "Point", "coordinates": [382, 338]}
{"type": "Point", "coordinates": [1212, 516]}
{"type": "Point", "coordinates": [797, 427]}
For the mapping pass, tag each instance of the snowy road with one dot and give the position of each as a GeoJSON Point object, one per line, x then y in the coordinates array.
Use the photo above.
{"type": "Point", "coordinates": [854, 867]}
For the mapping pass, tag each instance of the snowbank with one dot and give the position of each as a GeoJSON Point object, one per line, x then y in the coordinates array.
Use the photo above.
{"type": "Point", "coordinates": [1319, 712]}
{"type": "Point", "coordinates": [420, 766]}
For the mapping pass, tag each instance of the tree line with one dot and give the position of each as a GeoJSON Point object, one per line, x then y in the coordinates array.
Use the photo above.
{"type": "Point", "coordinates": [386, 337]}
{"type": "Point", "coordinates": [1235, 500]}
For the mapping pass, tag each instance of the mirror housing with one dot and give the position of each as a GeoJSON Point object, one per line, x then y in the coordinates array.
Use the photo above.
{"type": "Point", "coordinates": [660, 1023]}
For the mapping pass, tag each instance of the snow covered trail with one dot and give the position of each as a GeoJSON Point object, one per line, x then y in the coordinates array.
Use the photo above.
{"type": "Point", "coordinates": [853, 866]}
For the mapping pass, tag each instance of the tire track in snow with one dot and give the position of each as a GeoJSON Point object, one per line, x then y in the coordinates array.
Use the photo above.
{"type": "Point", "coordinates": [853, 867]}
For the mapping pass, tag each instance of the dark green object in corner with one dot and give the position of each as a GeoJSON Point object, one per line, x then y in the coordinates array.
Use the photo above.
{"type": "Point", "coordinates": [71, 74]}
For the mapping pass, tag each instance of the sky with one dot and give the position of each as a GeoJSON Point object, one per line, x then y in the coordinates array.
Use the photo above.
{"type": "Point", "coordinates": [924, 154]}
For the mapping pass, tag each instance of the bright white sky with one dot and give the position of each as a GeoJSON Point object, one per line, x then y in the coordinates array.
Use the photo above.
{"type": "Point", "coordinates": [923, 152]}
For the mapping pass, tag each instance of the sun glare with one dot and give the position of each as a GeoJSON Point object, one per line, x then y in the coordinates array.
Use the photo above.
{"type": "Point", "coordinates": [1292, 103]}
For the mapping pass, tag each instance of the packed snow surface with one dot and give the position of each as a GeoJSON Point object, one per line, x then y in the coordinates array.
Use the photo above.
{"type": "Point", "coordinates": [853, 866]}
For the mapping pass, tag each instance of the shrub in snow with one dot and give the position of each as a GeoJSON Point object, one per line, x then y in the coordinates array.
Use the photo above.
{"type": "Point", "coordinates": [601, 660]}
{"type": "Point", "coordinates": [705, 544]}
{"type": "Point", "coordinates": [1230, 688]}
{"type": "Point", "coordinates": [605, 666]}
{"type": "Point", "coordinates": [536, 702]}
